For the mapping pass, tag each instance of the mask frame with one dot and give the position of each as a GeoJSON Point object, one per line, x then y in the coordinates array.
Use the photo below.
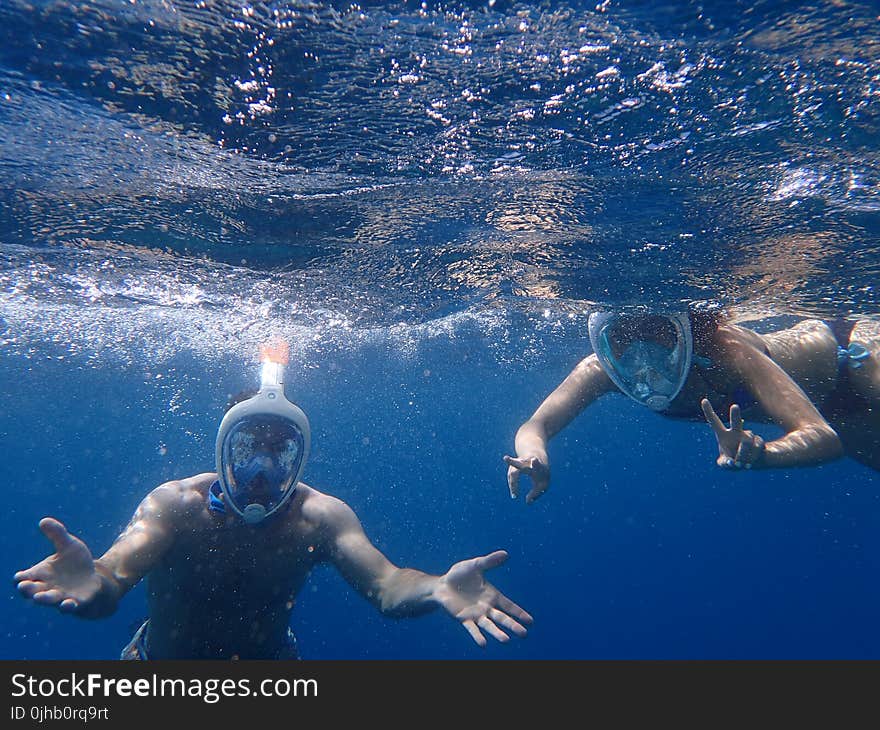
{"type": "Point", "coordinates": [638, 390]}
{"type": "Point", "coordinates": [269, 401]}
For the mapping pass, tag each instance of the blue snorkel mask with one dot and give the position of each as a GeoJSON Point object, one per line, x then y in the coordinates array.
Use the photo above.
{"type": "Point", "coordinates": [647, 356]}
{"type": "Point", "coordinates": [262, 448]}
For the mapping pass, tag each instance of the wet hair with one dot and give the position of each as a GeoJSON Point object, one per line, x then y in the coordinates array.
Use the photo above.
{"type": "Point", "coordinates": [705, 319]}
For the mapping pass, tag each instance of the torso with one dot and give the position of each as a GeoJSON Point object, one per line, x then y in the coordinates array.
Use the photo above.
{"type": "Point", "coordinates": [226, 589]}
{"type": "Point", "coordinates": [857, 423]}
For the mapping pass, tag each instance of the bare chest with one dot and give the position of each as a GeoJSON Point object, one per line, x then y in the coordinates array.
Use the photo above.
{"type": "Point", "coordinates": [254, 566]}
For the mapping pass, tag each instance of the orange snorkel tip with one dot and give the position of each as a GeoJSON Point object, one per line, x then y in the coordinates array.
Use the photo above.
{"type": "Point", "coordinates": [276, 351]}
{"type": "Point", "coordinates": [274, 355]}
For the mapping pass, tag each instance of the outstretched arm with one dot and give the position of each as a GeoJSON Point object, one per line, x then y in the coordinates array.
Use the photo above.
{"type": "Point", "coordinates": [809, 439]}
{"type": "Point", "coordinates": [405, 592]}
{"type": "Point", "coordinates": [71, 580]}
{"type": "Point", "coordinates": [583, 385]}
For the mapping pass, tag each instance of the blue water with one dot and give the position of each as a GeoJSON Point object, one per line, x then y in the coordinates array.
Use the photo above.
{"type": "Point", "coordinates": [426, 200]}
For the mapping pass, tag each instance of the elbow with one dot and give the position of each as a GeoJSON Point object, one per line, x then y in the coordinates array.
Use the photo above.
{"type": "Point", "coordinates": [822, 443]}
{"type": "Point", "coordinates": [832, 446]}
{"type": "Point", "coordinates": [810, 445]}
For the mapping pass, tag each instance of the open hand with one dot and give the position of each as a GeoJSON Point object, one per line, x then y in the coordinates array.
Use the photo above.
{"type": "Point", "coordinates": [476, 603]}
{"type": "Point", "coordinates": [533, 467]}
{"type": "Point", "coordinates": [67, 578]}
{"type": "Point", "coordinates": [737, 448]}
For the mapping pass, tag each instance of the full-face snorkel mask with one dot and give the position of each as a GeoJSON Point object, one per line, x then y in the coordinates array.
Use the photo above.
{"type": "Point", "coordinates": [262, 446]}
{"type": "Point", "coordinates": [647, 356]}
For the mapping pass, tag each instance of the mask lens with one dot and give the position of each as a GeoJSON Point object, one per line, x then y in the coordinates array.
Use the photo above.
{"type": "Point", "coordinates": [646, 356]}
{"type": "Point", "coordinates": [623, 332]}
{"type": "Point", "coordinates": [261, 459]}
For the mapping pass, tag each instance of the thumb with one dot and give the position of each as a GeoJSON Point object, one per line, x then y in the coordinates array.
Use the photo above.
{"type": "Point", "coordinates": [513, 481]}
{"type": "Point", "coordinates": [492, 560]}
{"type": "Point", "coordinates": [56, 532]}
{"type": "Point", "coordinates": [517, 463]}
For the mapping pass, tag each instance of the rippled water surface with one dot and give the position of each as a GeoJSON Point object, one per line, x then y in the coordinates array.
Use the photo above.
{"type": "Point", "coordinates": [345, 165]}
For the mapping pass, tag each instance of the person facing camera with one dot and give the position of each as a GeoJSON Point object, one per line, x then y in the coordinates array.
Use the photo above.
{"type": "Point", "coordinates": [225, 553]}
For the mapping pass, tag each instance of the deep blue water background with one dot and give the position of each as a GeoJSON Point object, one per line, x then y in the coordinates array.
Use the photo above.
{"type": "Point", "coordinates": [642, 548]}
{"type": "Point", "coordinates": [427, 214]}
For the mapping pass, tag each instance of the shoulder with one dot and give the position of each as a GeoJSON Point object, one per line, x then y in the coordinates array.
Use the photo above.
{"type": "Point", "coordinates": [734, 335]}
{"type": "Point", "coordinates": [324, 510]}
{"type": "Point", "coordinates": [733, 347]}
{"type": "Point", "coordinates": [180, 497]}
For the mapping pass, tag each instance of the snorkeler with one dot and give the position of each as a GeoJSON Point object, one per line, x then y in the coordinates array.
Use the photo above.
{"type": "Point", "coordinates": [684, 364]}
{"type": "Point", "coordinates": [226, 553]}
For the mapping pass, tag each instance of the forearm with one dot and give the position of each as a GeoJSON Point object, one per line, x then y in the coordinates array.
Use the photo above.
{"type": "Point", "coordinates": [406, 593]}
{"type": "Point", "coordinates": [584, 384]}
{"type": "Point", "coordinates": [806, 446]}
{"type": "Point", "coordinates": [531, 440]}
{"type": "Point", "coordinates": [809, 439]}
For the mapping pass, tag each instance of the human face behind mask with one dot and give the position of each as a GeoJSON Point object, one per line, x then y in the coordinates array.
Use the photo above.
{"type": "Point", "coordinates": [260, 469]}
{"type": "Point", "coordinates": [650, 367]}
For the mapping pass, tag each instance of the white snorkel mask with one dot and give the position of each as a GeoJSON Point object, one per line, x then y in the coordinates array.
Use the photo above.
{"type": "Point", "coordinates": [262, 446]}
{"type": "Point", "coordinates": [647, 356]}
